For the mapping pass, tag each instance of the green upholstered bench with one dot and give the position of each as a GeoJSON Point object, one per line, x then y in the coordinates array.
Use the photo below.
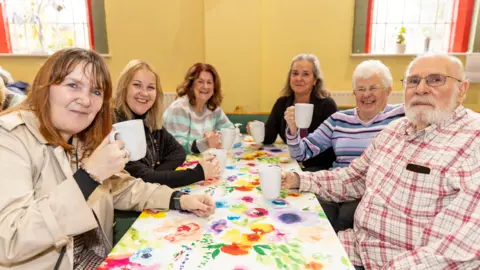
{"type": "Point", "coordinates": [244, 118]}
{"type": "Point", "coordinates": [123, 221]}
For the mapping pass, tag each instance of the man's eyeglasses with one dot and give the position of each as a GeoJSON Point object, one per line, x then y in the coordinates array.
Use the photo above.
{"type": "Point", "coordinates": [432, 80]}
{"type": "Point", "coordinates": [372, 88]}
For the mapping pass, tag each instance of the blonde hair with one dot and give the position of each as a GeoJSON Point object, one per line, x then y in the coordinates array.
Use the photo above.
{"type": "Point", "coordinates": [153, 118]}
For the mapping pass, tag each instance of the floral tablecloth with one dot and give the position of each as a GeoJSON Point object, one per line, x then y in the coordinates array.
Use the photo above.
{"type": "Point", "coordinates": [246, 232]}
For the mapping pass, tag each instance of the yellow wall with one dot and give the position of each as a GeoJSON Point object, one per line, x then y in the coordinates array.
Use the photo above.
{"type": "Point", "coordinates": [250, 42]}
{"type": "Point", "coordinates": [168, 34]}
{"type": "Point", "coordinates": [232, 45]}
{"type": "Point", "coordinates": [287, 28]}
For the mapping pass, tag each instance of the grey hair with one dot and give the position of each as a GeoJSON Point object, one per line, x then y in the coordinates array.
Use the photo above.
{"type": "Point", "coordinates": [318, 87]}
{"type": "Point", "coordinates": [370, 68]}
{"type": "Point", "coordinates": [6, 76]}
{"type": "Point", "coordinates": [452, 59]}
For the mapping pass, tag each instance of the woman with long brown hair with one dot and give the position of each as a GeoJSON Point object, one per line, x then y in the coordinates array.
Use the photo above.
{"type": "Point", "coordinates": [61, 176]}
{"type": "Point", "coordinates": [195, 118]}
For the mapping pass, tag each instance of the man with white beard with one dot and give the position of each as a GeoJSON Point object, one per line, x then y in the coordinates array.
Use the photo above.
{"type": "Point", "coordinates": [419, 178]}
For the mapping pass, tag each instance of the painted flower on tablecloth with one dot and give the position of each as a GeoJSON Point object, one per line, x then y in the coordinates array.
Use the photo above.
{"type": "Point", "coordinates": [314, 266]}
{"type": "Point", "coordinates": [143, 257]}
{"type": "Point", "coordinates": [241, 244]}
{"type": "Point", "coordinates": [231, 236]}
{"type": "Point", "coordinates": [221, 204]}
{"type": "Point", "coordinates": [209, 181]}
{"type": "Point", "coordinates": [278, 236]}
{"type": "Point", "coordinates": [218, 226]}
{"type": "Point", "coordinates": [251, 164]}
{"type": "Point", "coordinates": [256, 212]}
{"type": "Point", "coordinates": [185, 231]}
{"type": "Point", "coordinates": [244, 169]}
{"type": "Point", "coordinates": [239, 208]}
{"type": "Point", "coordinates": [290, 216]}
{"type": "Point", "coordinates": [259, 230]}
{"type": "Point", "coordinates": [230, 167]}
{"type": "Point", "coordinates": [123, 261]}
{"type": "Point", "coordinates": [232, 178]}
{"type": "Point", "coordinates": [274, 150]}
{"type": "Point", "coordinates": [240, 267]}
{"type": "Point", "coordinates": [279, 203]}
{"type": "Point", "coordinates": [153, 214]}
{"type": "Point", "coordinates": [248, 157]}
{"type": "Point", "coordinates": [235, 249]}
{"type": "Point", "coordinates": [293, 194]}
{"type": "Point", "coordinates": [311, 234]}
{"type": "Point", "coordinates": [247, 199]}
{"type": "Point", "coordinates": [234, 217]}
{"type": "Point", "coordinates": [262, 228]}
{"type": "Point", "coordinates": [242, 185]}
{"type": "Point", "coordinates": [259, 154]}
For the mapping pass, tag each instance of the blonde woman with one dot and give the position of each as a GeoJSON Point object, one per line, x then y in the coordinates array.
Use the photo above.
{"type": "Point", "coordinates": [139, 96]}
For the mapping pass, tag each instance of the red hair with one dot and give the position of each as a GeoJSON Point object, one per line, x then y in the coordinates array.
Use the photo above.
{"type": "Point", "coordinates": [53, 72]}
{"type": "Point", "coordinates": [186, 88]}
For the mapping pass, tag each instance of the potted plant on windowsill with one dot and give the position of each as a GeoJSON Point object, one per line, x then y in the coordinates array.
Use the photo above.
{"type": "Point", "coordinates": [401, 45]}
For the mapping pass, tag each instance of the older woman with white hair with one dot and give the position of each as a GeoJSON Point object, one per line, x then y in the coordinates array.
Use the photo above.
{"type": "Point", "coordinates": [349, 132]}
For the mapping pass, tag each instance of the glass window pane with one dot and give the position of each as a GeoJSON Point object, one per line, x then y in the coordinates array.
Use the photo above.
{"type": "Point", "coordinates": [46, 26]}
{"type": "Point", "coordinates": [421, 18]}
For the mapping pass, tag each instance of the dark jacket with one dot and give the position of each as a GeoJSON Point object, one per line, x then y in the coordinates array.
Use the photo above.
{"type": "Point", "coordinates": [164, 155]}
{"type": "Point", "coordinates": [276, 125]}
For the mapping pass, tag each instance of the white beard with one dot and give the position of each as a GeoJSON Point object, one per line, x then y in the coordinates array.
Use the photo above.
{"type": "Point", "coordinates": [421, 115]}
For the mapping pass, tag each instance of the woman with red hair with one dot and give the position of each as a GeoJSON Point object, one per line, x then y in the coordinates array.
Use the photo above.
{"type": "Point", "coordinates": [195, 117]}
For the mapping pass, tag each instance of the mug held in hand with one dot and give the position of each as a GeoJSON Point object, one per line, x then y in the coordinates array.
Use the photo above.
{"type": "Point", "coordinates": [132, 133]}
{"type": "Point", "coordinates": [303, 115]}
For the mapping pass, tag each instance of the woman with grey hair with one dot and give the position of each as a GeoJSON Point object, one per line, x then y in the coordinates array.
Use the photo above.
{"type": "Point", "coordinates": [305, 84]}
{"type": "Point", "coordinates": [349, 132]}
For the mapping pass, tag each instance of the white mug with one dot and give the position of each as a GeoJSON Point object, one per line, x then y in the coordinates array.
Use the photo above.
{"type": "Point", "coordinates": [221, 156]}
{"type": "Point", "coordinates": [270, 181]}
{"type": "Point", "coordinates": [228, 137]}
{"type": "Point", "coordinates": [303, 115]}
{"type": "Point", "coordinates": [132, 133]}
{"type": "Point", "coordinates": [257, 129]}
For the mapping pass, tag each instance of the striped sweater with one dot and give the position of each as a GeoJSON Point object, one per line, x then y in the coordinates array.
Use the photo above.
{"type": "Point", "coordinates": [188, 126]}
{"type": "Point", "coordinates": [345, 132]}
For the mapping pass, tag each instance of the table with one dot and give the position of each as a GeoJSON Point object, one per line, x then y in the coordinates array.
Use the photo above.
{"type": "Point", "coordinates": [246, 232]}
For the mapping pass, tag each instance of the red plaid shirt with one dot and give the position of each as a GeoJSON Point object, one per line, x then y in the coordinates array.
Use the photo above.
{"type": "Point", "coordinates": [407, 219]}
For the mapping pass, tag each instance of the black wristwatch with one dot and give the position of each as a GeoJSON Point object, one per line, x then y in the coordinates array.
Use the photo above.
{"type": "Point", "coordinates": [175, 200]}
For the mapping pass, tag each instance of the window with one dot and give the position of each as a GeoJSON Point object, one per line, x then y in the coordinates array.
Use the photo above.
{"type": "Point", "coordinates": [44, 26]}
{"type": "Point", "coordinates": [442, 24]}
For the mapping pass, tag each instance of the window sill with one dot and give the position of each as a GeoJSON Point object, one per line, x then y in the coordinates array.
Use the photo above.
{"type": "Point", "coordinates": [10, 55]}
{"type": "Point", "coordinates": [398, 54]}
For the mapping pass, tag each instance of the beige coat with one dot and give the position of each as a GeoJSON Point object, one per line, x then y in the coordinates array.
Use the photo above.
{"type": "Point", "coordinates": [41, 205]}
